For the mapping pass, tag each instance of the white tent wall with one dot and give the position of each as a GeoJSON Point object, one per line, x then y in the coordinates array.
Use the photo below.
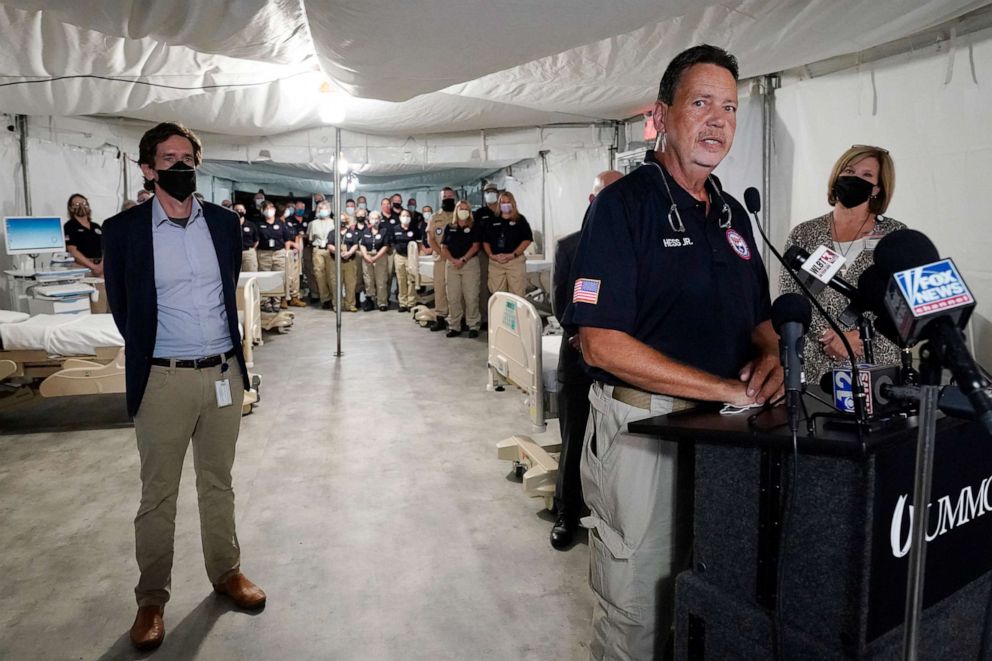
{"type": "Point", "coordinates": [11, 201]}
{"type": "Point", "coordinates": [929, 108]}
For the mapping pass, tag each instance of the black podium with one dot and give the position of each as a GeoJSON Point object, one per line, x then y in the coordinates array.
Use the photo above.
{"type": "Point", "coordinates": [846, 554]}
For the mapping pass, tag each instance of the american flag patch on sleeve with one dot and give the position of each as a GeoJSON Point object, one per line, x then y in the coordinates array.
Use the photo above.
{"type": "Point", "coordinates": [586, 291]}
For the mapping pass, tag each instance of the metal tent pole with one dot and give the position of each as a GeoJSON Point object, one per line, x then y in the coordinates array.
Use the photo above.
{"type": "Point", "coordinates": [337, 238]}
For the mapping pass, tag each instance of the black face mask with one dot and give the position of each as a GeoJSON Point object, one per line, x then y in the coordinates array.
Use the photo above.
{"type": "Point", "coordinates": [179, 181]}
{"type": "Point", "coordinates": [448, 205]}
{"type": "Point", "coordinates": [852, 191]}
{"type": "Point", "coordinates": [397, 206]}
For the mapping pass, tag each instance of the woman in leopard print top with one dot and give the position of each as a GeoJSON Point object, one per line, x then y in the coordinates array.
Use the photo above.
{"type": "Point", "coordinates": [852, 229]}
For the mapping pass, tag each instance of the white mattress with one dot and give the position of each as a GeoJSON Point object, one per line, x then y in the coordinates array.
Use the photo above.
{"type": "Point", "coordinates": [62, 334]}
{"type": "Point", "coordinates": [11, 317]}
{"type": "Point", "coordinates": [550, 348]}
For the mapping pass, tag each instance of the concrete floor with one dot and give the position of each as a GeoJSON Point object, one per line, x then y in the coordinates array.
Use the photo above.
{"type": "Point", "coordinates": [371, 508]}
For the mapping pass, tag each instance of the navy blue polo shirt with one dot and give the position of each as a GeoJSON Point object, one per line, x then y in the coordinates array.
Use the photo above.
{"type": "Point", "coordinates": [459, 240]}
{"type": "Point", "coordinates": [483, 215]}
{"type": "Point", "coordinates": [503, 236]}
{"type": "Point", "coordinates": [374, 239]}
{"type": "Point", "coordinates": [295, 227]}
{"type": "Point", "coordinates": [89, 241]}
{"type": "Point", "coordinates": [273, 236]}
{"type": "Point", "coordinates": [695, 296]}
{"type": "Point", "coordinates": [249, 235]}
{"type": "Point", "coordinates": [399, 237]}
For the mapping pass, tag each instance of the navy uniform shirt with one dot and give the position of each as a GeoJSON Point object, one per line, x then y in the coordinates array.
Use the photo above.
{"type": "Point", "coordinates": [88, 241]}
{"type": "Point", "coordinates": [294, 226]}
{"type": "Point", "coordinates": [249, 235]}
{"type": "Point", "coordinates": [483, 216]}
{"type": "Point", "coordinates": [695, 296]}
{"type": "Point", "coordinates": [274, 236]}
{"type": "Point", "coordinates": [399, 237]}
{"type": "Point", "coordinates": [459, 240]}
{"type": "Point", "coordinates": [374, 238]}
{"type": "Point", "coordinates": [503, 236]}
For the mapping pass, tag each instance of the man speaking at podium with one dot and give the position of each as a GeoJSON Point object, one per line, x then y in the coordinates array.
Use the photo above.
{"type": "Point", "coordinates": [671, 305]}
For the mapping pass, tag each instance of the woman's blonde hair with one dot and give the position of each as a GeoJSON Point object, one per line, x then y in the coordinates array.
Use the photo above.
{"type": "Point", "coordinates": [886, 175]}
{"type": "Point", "coordinates": [514, 214]}
{"type": "Point", "coordinates": [374, 215]}
{"type": "Point", "coordinates": [458, 205]}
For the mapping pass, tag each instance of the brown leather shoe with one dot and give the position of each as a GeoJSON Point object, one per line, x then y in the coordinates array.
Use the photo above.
{"type": "Point", "coordinates": [297, 303]}
{"type": "Point", "coordinates": [242, 592]}
{"type": "Point", "coordinates": [283, 305]}
{"type": "Point", "coordinates": [148, 630]}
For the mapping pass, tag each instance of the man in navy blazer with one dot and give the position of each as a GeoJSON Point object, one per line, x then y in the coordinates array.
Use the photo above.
{"type": "Point", "coordinates": [171, 268]}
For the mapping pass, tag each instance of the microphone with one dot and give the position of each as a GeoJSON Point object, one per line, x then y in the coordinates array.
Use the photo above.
{"type": "Point", "coordinates": [791, 314]}
{"type": "Point", "coordinates": [927, 299]}
{"type": "Point", "coordinates": [752, 199]}
{"type": "Point", "coordinates": [822, 267]}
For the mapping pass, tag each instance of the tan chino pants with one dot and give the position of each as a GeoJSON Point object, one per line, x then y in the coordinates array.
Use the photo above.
{"type": "Point", "coordinates": [463, 294]}
{"type": "Point", "coordinates": [511, 277]}
{"type": "Point", "coordinates": [179, 406]}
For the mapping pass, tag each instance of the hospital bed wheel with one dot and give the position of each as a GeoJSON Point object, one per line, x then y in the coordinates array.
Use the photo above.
{"type": "Point", "coordinates": [500, 388]}
{"type": "Point", "coordinates": [519, 470]}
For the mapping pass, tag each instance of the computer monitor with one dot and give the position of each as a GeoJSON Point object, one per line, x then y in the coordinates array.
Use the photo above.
{"type": "Point", "coordinates": [31, 235]}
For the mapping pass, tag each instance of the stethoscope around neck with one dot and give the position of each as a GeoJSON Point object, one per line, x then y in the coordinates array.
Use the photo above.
{"type": "Point", "coordinates": [675, 218]}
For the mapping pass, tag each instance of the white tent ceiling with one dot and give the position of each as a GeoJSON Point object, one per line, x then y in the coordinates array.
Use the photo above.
{"type": "Point", "coordinates": [260, 67]}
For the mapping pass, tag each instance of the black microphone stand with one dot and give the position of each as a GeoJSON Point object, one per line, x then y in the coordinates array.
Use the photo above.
{"type": "Point", "coordinates": [866, 330]}
{"type": "Point", "coordinates": [860, 412]}
{"type": "Point", "coordinates": [929, 393]}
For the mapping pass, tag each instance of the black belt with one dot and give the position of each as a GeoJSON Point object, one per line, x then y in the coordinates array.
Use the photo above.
{"type": "Point", "coordinates": [193, 363]}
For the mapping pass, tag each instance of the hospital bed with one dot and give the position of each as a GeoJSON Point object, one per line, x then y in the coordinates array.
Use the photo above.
{"type": "Point", "coordinates": [519, 356]}
{"type": "Point", "coordinates": [70, 354]}
{"type": "Point", "coordinates": [270, 283]}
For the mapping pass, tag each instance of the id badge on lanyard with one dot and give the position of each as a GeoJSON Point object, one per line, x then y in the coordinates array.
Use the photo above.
{"type": "Point", "coordinates": [223, 387]}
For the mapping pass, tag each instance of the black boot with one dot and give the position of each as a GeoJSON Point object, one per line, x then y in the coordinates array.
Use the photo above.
{"type": "Point", "coordinates": [563, 532]}
{"type": "Point", "coordinates": [439, 324]}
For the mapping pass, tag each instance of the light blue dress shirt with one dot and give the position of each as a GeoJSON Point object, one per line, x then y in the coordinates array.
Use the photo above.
{"type": "Point", "coordinates": [192, 320]}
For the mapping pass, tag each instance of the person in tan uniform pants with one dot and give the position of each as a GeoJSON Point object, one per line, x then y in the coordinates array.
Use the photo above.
{"type": "Point", "coordinates": [435, 233]}
{"type": "Point", "coordinates": [400, 238]}
{"type": "Point", "coordinates": [294, 257]}
{"type": "Point", "coordinates": [505, 239]}
{"type": "Point", "coordinates": [375, 265]}
{"type": "Point", "coordinates": [350, 238]}
{"type": "Point", "coordinates": [320, 231]}
{"type": "Point", "coordinates": [249, 241]}
{"type": "Point", "coordinates": [273, 241]}
{"type": "Point", "coordinates": [460, 248]}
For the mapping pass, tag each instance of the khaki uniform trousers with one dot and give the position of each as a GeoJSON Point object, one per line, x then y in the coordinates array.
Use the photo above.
{"type": "Point", "coordinates": [273, 260]}
{"type": "Point", "coordinates": [463, 294]}
{"type": "Point", "coordinates": [639, 524]}
{"type": "Point", "coordinates": [249, 260]}
{"type": "Point", "coordinates": [180, 405]}
{"type": "Point", "coordinates": [293, 266]}
{"type": "Point", "coordinates": [349, 274]}
{"type": "Point", "coordinates": [440, 291]}
{"type": "Point", "coordinates": [377, 280]}
{"type": "Point", "coordinates": [511, 277]}
{"type": "Point", "coordinates": [324, 274]}
{"type": "Point", "coordinates": [405, 292]}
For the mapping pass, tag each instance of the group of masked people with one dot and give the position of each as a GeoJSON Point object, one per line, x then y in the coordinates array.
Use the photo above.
{"type": "Point", "coordinates": [476, 253]}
